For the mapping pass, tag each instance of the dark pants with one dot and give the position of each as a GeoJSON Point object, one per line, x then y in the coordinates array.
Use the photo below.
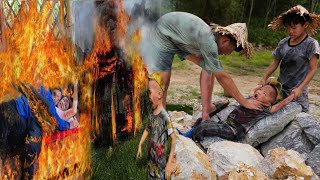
{"type": "Point", "coordinates": [20, 135]}
{"type": "Point", "coordinates": [228, 129]}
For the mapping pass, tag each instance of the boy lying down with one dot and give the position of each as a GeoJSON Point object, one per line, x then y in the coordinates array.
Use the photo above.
{"type": "Point", "coordinates": [240, 120]}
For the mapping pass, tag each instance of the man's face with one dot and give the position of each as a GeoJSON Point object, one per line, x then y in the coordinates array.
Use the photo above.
{"type": "Point", "coordinates": [225, 46]}
{"type": "Point", "coordinates": [266, 94]}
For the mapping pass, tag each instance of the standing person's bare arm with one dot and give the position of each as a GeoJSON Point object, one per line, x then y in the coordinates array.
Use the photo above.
{"type": "Point", "coordinates": [169, 165]}
{"type": "Point", "coordinates": [143, 138]}
{"type": "Point", "coordinates": [281, 104]}
{"type": "Point", "coordinates": [272, 67]}
{"type": "Point", "coordinates": [313, 64]}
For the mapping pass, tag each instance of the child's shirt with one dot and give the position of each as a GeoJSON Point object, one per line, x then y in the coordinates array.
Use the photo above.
{"type": "Point", "coordinates": [248, 117]}
{"type": "Point", "coordinates": [160, 127]}
{"type": "Point", "coordinates": [294, 61]}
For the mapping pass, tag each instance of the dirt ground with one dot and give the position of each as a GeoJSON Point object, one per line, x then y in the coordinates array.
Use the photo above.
{"type": "Point", "coordinates": [184, 88]}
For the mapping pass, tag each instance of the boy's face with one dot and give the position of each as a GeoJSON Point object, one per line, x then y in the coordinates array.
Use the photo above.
{"type": "Point", "coordinates": [296, 31]}
{"type": "Point", "coordinates": [56, 96]}
{"type": "Point", "coordinates": [266, 94]}
{"type": "Point", "coordinates": [155, 93]}
{"type": "Point", "coordinates": [64, 103]}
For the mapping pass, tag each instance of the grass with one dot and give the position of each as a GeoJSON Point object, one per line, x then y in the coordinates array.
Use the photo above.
{"type": "Point", "coordinates": [178, 107]}
{"type": "Point", "coordinates": [119, 162]}
{"type": "Point", "coordinates": [238, 65]}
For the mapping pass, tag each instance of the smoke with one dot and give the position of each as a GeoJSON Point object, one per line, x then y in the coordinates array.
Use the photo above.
{"type": "Point", "coordinates": [82, 16]}
{"type": "Point", "coordinates": [144, 14]}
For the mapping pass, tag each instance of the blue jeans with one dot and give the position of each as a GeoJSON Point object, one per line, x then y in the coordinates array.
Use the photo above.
{"type": "Point", "coordinates": [20, 135]}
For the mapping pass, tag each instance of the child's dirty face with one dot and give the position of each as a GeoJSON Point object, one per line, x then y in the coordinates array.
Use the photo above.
{"type": "Point", "coordinates": [296, 30]}
{"type": "Point", "coordinates": [64, 103]}
{"type": "Point", "coordinates": [56, 96]}
{"type": "Point", "coordinates": [154, 93]}
{"type": "Point", "coordinates": [266, 94]}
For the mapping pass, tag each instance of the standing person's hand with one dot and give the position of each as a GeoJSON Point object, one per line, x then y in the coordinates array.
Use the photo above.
{"type": "Point", "coordinates": [297, 92]}
{"type": "Point", "coordinates": [168, 170]}
{"type": "Point", "coordinates": [252, 104]}
{"type": "Point", "coordinates": [139, 153]}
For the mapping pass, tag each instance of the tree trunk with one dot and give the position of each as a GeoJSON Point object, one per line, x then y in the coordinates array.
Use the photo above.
{"type": "Point", "coordinates": [250, 13]}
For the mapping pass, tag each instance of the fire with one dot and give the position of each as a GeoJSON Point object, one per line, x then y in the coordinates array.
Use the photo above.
{"type": "Point", "coordinates": [31, 53]}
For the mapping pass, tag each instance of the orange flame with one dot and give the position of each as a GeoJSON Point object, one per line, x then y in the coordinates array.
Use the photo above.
{"type": "Point", "coordinates": [139, 76]}
{"type": "Point", "coordinates": [32, 54]}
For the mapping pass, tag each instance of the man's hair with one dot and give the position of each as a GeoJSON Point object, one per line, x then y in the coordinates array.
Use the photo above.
{"type": "Point", "coordinates": [293, 18]}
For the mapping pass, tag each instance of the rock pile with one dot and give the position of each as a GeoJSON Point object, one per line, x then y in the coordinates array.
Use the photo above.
{"type": "Point", "coordinates": [289, 143]}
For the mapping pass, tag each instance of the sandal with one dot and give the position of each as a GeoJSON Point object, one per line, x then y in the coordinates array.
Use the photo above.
{"type": "Point", "coordinates": [220, 105]}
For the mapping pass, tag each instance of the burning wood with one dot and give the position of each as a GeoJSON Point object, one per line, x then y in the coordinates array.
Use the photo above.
{"type": "Point", "coordinates": [111, 76]}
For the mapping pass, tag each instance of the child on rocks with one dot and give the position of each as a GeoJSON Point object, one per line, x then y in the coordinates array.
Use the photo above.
{"type": "Point", "coordinates": [241, 119]}
{"type": "Point", "coordinates": [160, 128]}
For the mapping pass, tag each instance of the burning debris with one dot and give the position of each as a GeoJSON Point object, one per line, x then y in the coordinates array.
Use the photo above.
{"type": "Point", "coordinates": [37, 50]}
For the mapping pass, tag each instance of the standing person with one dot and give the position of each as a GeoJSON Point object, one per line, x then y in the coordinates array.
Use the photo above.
{"type": "Point", "coordinates": [160, 128]}
{"type": "Point", "coordinates": [191, 38]}
{"type": "Point", "coordinates": [296, 54]}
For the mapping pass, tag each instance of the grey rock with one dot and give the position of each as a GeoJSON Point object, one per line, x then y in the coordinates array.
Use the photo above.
{"type": "Point", "coordinates": [190, 162]}
{"type": "Point", "coordinates": [292, 137]}
{"type": "Point", "coordinates": [271, 125]}
{"type": "Point", "coordinates": [313, 159]}
{"type": "Point", "coordinates": [227, 155]}
{"type": "Point", "coordinates": [282, 164]}
{"type": "Point", "coordinates": [310, 126]}
{"type": "Point", "coordinates": [207, 141]}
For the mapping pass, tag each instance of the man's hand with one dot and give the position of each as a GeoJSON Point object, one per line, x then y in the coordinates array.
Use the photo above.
{"type": "Point", "coordinates": [252, 104]}
{"type": "Point", "coordinates": [139, 154]}
{"type": "Point", "coordinates": [297, 93]}
{"type": "Point", "coordinates": [168, 170]}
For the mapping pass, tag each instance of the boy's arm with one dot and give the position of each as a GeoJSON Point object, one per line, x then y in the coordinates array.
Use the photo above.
{"type": "Point", "coordinates": [272, 67]}
{"type": "Point", "coordinates": [312, 71]}
{"type": "Point", "coordinates": [169, 165]}
{"type": "Point", "coordinates": [281, 104]}
{"type": "Point", "coordinates": [143, 138]}
{"type": "Point", "coordinates": [73, 110]}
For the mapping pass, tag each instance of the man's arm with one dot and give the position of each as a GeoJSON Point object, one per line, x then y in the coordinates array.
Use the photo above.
{"type": "Point", "coordinates": [206, 88]}
{"type": "Point", "coordinates": [312, 71]}
{"type": "Point", "coordinates": [272, 67]}
{"type": "Point", "coordinates": [281, 104]}
{"type": "Point", "coordinates": [227, 83]}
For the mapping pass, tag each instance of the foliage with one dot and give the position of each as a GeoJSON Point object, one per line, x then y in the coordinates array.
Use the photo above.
{"type": "Point", "coordinates": [225, 12]}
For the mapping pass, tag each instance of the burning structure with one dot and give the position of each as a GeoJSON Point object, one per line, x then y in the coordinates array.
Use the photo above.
{"type": "Point", "coordinates": [37, 48]}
